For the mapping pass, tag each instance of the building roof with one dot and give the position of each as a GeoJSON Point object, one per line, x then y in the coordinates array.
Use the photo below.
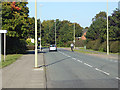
{"type": "Point", "coordinates": [84, 31]}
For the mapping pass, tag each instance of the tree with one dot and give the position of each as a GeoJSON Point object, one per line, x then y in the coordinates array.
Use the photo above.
{"type": "Point", "coordinates": [14, 18]}
{"type": "Point", "coordinates": [114, 25]}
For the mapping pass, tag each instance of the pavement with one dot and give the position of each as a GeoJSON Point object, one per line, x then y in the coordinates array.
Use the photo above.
{"type": "Point", "coordinates": [22, 74]}
{"type": "Point", "coordinates": [66, 69]}
{"type": "Point", "coordinates": [63, 69]}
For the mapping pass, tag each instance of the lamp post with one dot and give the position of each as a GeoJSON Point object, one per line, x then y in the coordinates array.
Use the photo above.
{"type": "Point", "coordinates": [36, 34]}
{"type": "Point", "coordinates": [40, 28]}
{"type": "Point", "coordinates": [107, 32]}
{"type": "Point", "coordinates": [74, 35]}
{"type": "Point", "coordinates": [55, 32]}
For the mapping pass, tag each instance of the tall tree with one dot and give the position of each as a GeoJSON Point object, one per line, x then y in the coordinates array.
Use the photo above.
{"type": "Point", "coordinates": [14, 18]}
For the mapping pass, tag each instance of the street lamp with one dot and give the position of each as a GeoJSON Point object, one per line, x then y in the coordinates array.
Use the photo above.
{"type": "Point", "coordinates": [55, 32]}
{"type": "Point", "coordinates": [74, 35]}
{"type": "Point", "coordinates": [40, 27]}
{"type": "Point", "coordinates": [107, 32]}
{"type": "Point", "coordinates": [36, 34]}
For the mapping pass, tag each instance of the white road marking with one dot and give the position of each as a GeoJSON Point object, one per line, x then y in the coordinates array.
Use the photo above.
{"type": "Point", "coordinates": [68, 56]}
{"type": "Point", "coordinates": [118, 78]}
{"type": "Point", "coordinates": [102, 71]}
{"type": "Point", "coordinates": [74, 58]}
{"type": "Point", "coordinates": [79, 61]}
{"type": "Point", "coordinates": [91, 65]}
{"type": "Point", "coordinates": [38, 69]}
{"type": "Point", "coordinates": [88, 65]}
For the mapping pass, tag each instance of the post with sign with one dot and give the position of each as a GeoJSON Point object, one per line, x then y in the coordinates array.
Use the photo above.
{"type": "Point", "coordinates": [0, 46]}
{"type": "Point", "coordinates": [3, 32]}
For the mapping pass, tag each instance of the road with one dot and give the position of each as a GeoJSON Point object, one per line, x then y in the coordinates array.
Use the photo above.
{"type": "Point", "coordinates": [66, 69]}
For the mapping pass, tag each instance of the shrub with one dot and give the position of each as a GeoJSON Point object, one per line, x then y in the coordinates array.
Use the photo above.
{"type": "Point", "coordinates": [28, 41]}
{"type": "Point", "coordinates": [97, 44]}
{"type": "Point", "coordinates": [103, 47]}
{"type": "Point", "coordinates": [15, 46]}
{"type": "Point", "coordinates": [90, 44]}
{"type": "Point", "coordinates": [79, 43]}
{"type": "Point", "coordinates": [114, 47]}
{"type": "Point", "coordinates": [30, 47]}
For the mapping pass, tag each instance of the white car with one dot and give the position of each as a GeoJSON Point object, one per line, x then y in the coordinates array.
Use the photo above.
{"type": "Point", "coordinates": [52, 48]}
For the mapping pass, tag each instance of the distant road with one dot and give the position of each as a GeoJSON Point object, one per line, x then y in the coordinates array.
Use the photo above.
{"type": "Point", "coordinates": [66, 69]}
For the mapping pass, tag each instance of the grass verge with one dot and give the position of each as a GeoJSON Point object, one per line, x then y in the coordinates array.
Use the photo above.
{"type": "Point", "coordinates": [9, 59]}
{"type": "Point", "coordinates": [81, 51]}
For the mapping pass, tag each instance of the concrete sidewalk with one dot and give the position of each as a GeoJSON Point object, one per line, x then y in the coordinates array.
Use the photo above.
{"type": "Point", "coordinates": [22, 73]}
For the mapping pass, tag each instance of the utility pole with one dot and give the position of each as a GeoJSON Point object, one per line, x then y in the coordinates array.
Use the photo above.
{"type": "Point", "coordinates": [36, 34]}
{"type": "Point", "coordinates": [55, 32]}
{"type": "Point", "coordinates": [107, 32]}
{"type": "Point", "coordinates": [40, 34]}
{"type": "Point", "coordinates": [74, 35]}
{"type": "Point", "coordinates": [40, 28]}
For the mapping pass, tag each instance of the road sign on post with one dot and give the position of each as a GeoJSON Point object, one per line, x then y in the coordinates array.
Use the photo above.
{"type": "Point", "coordinates": [3, 32]}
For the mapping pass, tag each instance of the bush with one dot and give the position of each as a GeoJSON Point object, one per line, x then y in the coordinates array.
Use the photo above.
{"type": "Point", "coordinates": [97, 44]}
{"type": "Point", "coordinates": [103, 47]}
{"type": "Point", "coordinates": [28, 41]}
{"type": "Point", "coordinates": [114, 47]}
{"type": "Point", "coordinates": [30, 47]}
{"type": "Point", "coordinates": [79, 43]}
{"type": "Point", "coordinates": [90, 45]}
{"type": "Point", "coordinates": [15, 46]}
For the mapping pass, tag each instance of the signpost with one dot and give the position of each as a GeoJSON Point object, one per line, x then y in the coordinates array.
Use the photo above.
{"type": "Point", "coordinates": [3, 32]}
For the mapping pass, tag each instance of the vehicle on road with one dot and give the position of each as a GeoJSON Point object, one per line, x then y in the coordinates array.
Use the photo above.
{"type": "Point", "coordinates": [52, 48]}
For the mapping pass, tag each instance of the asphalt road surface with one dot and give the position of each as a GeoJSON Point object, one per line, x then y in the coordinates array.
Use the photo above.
{"type": "Point", "coordinates": [66, 69]}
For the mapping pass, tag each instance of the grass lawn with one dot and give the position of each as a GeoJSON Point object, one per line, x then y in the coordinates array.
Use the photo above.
{"type": "Point", "coordinates": [9, 59]}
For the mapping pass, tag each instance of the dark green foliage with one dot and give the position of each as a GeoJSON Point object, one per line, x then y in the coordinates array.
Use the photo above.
{"type": "Point", "coordinates": [97, 32]}
{"type": "Point", "coordinates": [15, 21]}
{"type": "Point", "coordinates": [103, 47]}
{"type": "Point", "coordinates": [16, 45]}
{"type": "Point", "coordinates": [64, 32]}
{"type": "Point", "coordinates": [114, 47]}
{"type": "Point", "coordinates": [97, 44]}
{"type": "Point", "coordinates": [90, 44]}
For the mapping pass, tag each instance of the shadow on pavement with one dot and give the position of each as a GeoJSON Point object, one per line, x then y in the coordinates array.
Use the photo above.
{"type": "Point", "coordinates": [55, 62]}
{"type": "Point", "coordinates": [33, 52]}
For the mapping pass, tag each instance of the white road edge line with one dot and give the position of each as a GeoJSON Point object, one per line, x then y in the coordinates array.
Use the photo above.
{"type": "Point", "coordinates": [88, 65]}
{"type": "Point", "coordinates": [74, 58]}
{"type": "Point", "coordinates": [102, 71]}
{"type": "Point", "coordinates": [79, 61]}
{"type": "Point", "coordinates": [118, 78]}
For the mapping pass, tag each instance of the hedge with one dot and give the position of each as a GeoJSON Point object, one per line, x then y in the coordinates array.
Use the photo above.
{"type": "Point", "coordinates": [15, 45]}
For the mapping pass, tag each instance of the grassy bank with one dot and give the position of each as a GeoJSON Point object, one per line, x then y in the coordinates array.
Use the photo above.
{"type": "Point", "coordinates": [9, 59]}
{"type": "Point", "coordinates": [90, 51]}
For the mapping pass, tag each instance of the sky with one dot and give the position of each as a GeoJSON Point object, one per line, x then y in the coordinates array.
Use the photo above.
{"type": "Point", "coordinates": [79, 12]}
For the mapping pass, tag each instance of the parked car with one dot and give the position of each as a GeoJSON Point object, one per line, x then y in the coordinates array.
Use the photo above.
{"type": "Point", "coordinates": [52, 48]}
